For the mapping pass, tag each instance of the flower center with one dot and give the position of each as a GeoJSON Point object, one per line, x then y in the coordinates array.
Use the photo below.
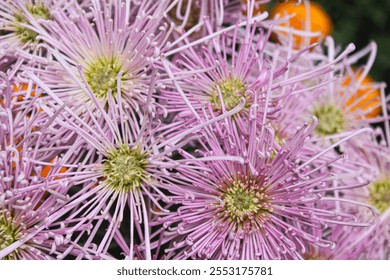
{"type": "Point", "coordinates": [38, 11]}
{"type": "Point", "coordinates": [241, 202]}
{"type": "Point", "coordinates": [125, 168]}
{"type": "Point", "coordinates": [9, 233]}
{"type": "Point", "coordinates": [102, 76]}
{"type": "Point", "coordinates": [231, 90]}
{"type": "Point", "coordinates": [330, 120]}
{"type": "Point", "coordinates": [380, 195]}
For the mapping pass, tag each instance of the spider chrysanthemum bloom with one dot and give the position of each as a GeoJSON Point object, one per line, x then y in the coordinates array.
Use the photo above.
{"type": "Point", "coordinates": [266, 207]}
{"type": "Point", "coordinates": [345, 238]}
{"type": "Point", "coordinates": [30, 191]}
{"type": "Point", "coordinates": [352, 102]}
{"type": "Point", "coordinates": [123, 170]}
{"type": "Point", "coordinates": [107, 50]}
{"type": "Point", "coordinates": [210, 77]}
{"type": "Point", "coordinates": [373, 243]}
{"type": "Point", "coordinates": [23, 114]}
{"type": "Point", "coordinates": [28, 229]}
{"type": "Point", "coordinates": [346, 100]}
{"type": "Point", "coordinates": [233, 64]}
{"type": "Point", "coordinates": [21, 23]}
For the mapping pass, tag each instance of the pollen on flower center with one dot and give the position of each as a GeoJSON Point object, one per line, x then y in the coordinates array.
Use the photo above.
{"type": "Point", "coordinates": [102, 76]}
{"type": "Point", "coordinates": [240, 202]}
{"type": "Point", "coordinates": [380, 195]}
{"type": "Point", "coordinates": [330, 120]}
{"type": "Point", "coordinates": [38, 11]}
{"type": "Point", "coordinates": [9, 233]}
{"type": "Point", "coordinates": [125, 168]}
{"type": "Point", "coordinates": [232, 90]}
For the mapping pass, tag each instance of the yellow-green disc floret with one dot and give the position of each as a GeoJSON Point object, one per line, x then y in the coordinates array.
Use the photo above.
{"type": "Point", "coordinates": [380, 195]}
{"type": "Point", "coordinates": [330, 120]}
{"type": "Point", "coordinates": [232, 90]}
{"type": "Point", "coordinates": [125, 168]}
{"type": "Point", "coordinates": [241, 202]}
{"type": "Point", "coordinates": [102, 75]}
{"type": "Point", "coordinates": [25, 34]}
{"type": "Point", "coordinates": [9, 234]}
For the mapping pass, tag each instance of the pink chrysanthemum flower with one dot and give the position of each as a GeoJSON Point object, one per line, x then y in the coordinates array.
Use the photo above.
{"type": "Point", "coordinates": [374, 243]}
{"type": "Point", "coordinates": [105, 51]}
{"type": "Point", "coordinates": [123, 169]}
{"type": "Point", "coordinates": [22, 21]}
{"type": "Point", "coordinates": [20, 101]}
{"type": "Point", "coordinates": [268, 207]}
{"type": "Point", "coordinates": [345, 238]}
{"type": "Point", "coordinates": [28, 229]}
{"type": "Point", "coordinates": [348, 101]}
{"type": "Point", "coordinates": [29, 190]}
{"type": "Point", "coordinates": [228, 68]}
{"type": "Point", "coordinates": [21, 231]}
{"type": "Point", "coordinates": [211, 78]}
{"type": "Point", "coordinates": [351, 183]}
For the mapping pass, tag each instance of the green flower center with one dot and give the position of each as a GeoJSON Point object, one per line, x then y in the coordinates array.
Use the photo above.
{"type": "Point", "coordinates": [241, 202]}
{"type": "Point", "coordinates": [380, 195]}
{"type": "Point", "coordinates": [102, 76]}
{"type": "Point", "coordinates": [232, 90]}
{"type": "Point", "coordinates": [38, 11]}
{"type": "Point", "coordinates": [9, 234]}
{"type": "Point", "coordinates": [330, 120]}
{"type": "Point", "coordinates": [125, 168]}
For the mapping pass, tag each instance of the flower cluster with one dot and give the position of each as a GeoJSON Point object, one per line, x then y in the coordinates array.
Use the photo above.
{"type": "Point", "coordinates": [188, 129]}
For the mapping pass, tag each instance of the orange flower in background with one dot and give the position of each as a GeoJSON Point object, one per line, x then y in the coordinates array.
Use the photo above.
{"type": "Point", "coordinates": [318, 20]}
{"type": "Point", "coordinates": [366, 98]}
{"type": "Point", "coordinates": [22, 87]}
{"type": "Point", "coordinates": [16, 88]}
{"type": "Point", "coordinates": [46, 170]}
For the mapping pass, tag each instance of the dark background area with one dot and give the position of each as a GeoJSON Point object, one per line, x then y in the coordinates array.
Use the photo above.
{"type": "Point", "coordinates": [360, 21]}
